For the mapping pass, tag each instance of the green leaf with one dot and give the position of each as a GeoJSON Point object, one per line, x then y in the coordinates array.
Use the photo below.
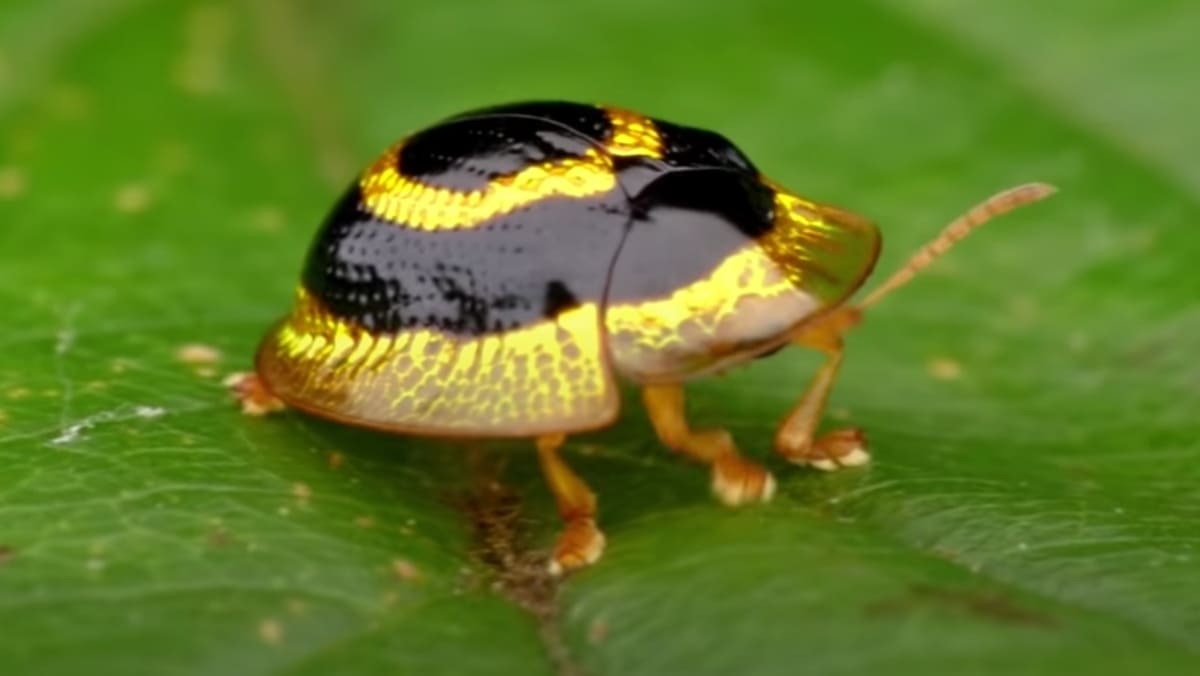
{"type": "Point", "coordinates": [1031, 400]}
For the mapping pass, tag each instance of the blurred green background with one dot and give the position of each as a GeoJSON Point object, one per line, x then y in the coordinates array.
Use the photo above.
{"type": "Point", "coordinates": [1033, 507]}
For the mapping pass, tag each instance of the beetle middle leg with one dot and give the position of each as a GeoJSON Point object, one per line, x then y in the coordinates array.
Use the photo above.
{"type": "Point", "coordinates": [581, 542]}
{"type": "Point", "coordinates": [736, 480]}
{"type": "Point", "coordinates": [796, 438]}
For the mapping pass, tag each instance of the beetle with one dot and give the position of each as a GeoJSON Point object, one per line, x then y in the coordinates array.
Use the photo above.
{"type": "Point", "coordinates": [496, 274]}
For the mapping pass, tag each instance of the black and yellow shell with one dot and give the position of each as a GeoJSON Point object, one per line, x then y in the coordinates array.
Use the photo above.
{"type": "Point", "coordinates": [491, 275]}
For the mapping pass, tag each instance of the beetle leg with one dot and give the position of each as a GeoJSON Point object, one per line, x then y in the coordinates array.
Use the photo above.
{"type": "Point", "coordinates": [735, 480]}
{"type": "Point", "coordinates": [581, 543]}
{"type": "Point", "coordinates": [846, 447]}
{"type": "Point", "coordinates": [254, 396]}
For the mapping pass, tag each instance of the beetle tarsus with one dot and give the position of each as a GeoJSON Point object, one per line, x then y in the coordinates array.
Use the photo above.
{"type": "Point", "coordinates": [255, 398]}
{"type": "Point", "coordinates": [846, 447]}
{"type": "Point", "coordinates": [738, 481]}
{"type": "Point", "coordinates": [581, 544]}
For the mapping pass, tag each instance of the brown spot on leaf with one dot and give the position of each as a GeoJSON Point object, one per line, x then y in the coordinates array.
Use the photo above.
{"type": "Point", "coordinates": [173, 157]}
{"type": "Point", "coordinates": [121, 365]}
{"type": "Point", "coordinates": [985, 605]}
{"type": "Point", "coordinates": [198, 354]}
{"type": "Point", "coordinates": [268, 219]}
{"type": "Point", "coordinates": [68, 101]}
{"type": "Point", "coordinates": [597, 631]}
{"type": "Point", "coordinates": [132, 198]}
{"type": "Point", "coordinates": [202, 68]}
{"type": "Point", "coordinates": [944, 368]}
{"type": "Point", "coordinates": [219, 537]}
{"type": "Point", "coordinates": [404, 570]}
{"type": "Point", "coordinates": [13, 183]}
{"type": "Point", "coordinates": [518, 572]}
{"type": "Point", "coordinates": [270, 631]}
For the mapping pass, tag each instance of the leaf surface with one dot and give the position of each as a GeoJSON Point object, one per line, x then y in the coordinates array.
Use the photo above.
{"type": "Point", "coordinates": [1031, 400]}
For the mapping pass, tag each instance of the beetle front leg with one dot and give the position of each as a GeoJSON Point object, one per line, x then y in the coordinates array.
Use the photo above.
{"type": "Point", "coordinates": [735, 480]}
{"type": "Point", "coordinates": [796, 438]}
{"type": "Point", "coordinates": [581, 542]}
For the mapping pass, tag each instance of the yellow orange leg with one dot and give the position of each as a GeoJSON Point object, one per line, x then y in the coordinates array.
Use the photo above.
{"type": "Point", "coordinates": [253, 394]}
{"type": "Point", "coordinates": [580, 543]}
{"type": "Point", "coordinates": [795, 439]}
{"type": "Point", "coordinates": [735, 480]}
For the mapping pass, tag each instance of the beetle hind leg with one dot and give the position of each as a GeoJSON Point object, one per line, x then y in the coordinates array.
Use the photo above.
{"type": "Point", "coordinates": [735, 479]}
{"type": "Point", "coordinates": [581, 542]}
{"type": "Point", "coordinates": [796, 438]}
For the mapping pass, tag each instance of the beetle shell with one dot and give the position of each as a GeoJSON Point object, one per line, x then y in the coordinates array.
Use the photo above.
{"type": "Point", "coordinates": [493, 274]}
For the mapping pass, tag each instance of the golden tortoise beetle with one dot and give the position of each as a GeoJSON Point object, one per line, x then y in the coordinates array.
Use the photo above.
{"type": "Point", "coordinates": [492, 275]}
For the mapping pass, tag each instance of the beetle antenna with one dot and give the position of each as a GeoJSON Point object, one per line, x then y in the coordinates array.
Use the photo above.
{"type": "Point", "coordinates": [996, 205]}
